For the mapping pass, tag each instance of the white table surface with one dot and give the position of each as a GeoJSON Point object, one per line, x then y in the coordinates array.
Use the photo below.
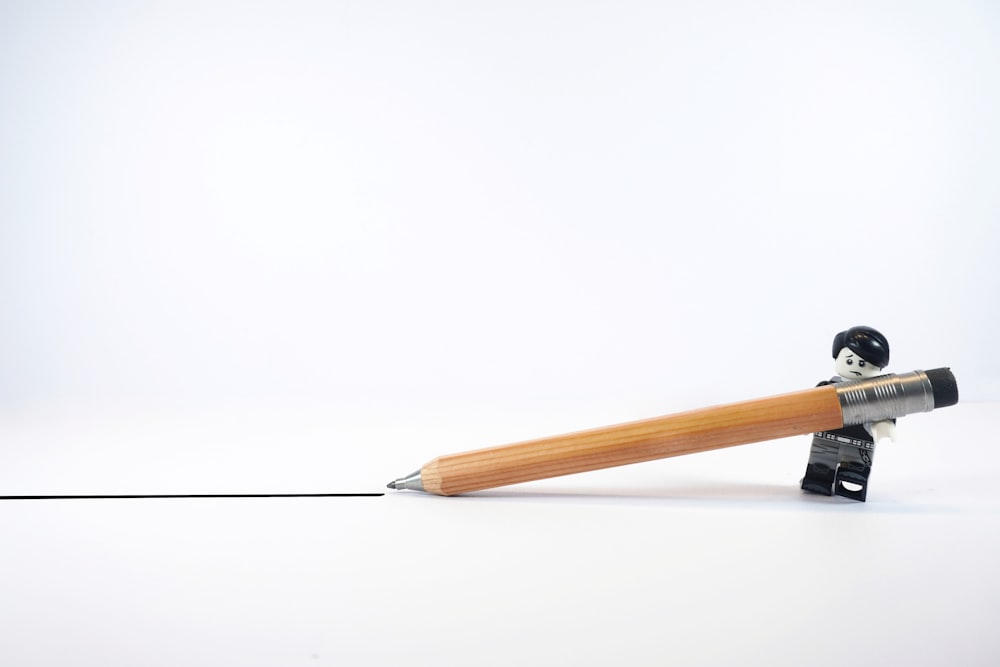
{"type": "Point", "coordinates": [711, 559]}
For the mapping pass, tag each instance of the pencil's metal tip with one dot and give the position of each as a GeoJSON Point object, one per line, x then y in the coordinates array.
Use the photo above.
{"type": "Point", "coordinates": [411, 482]}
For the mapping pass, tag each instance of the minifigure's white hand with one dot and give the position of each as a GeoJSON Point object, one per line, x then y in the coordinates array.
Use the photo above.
{"type": "Point", "coordinates": [884, 429]}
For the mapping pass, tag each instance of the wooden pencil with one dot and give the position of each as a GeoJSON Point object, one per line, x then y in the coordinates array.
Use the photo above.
{"type": "Point", "coordinates": [818, 409]}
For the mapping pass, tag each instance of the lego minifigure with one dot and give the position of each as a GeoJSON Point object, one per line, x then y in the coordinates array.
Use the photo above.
{"type": "Point", "coordinates": [841, 460]}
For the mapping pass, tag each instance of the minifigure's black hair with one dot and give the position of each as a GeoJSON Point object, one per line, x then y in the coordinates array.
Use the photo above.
{"type": "Point", "coordinates": [865, 342]}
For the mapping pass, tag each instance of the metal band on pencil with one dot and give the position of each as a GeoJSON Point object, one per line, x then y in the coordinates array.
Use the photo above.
{"type": "Point", "coordinates": [890, 396]}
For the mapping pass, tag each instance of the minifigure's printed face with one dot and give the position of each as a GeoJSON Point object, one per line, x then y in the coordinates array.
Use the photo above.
{"type": "Point", "coordinates": [851, 366]}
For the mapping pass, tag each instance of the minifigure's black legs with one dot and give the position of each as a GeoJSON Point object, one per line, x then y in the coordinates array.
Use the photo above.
{"type": "Point", "coordinates": [855, 475]}
{"type": "Point", "coordinates": [852, 475]}
{"type": "Point", "coordinates": [822, 467]}
{"type": "Point", "coordinates": [819, 478]}
{"type": "Point", "coordinates": [836, 468]}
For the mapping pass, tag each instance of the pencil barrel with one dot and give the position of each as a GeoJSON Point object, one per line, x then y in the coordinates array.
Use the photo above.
{"type": "Point", "coordinates": [662, 437]}
{"type": "Point", "coordinates": [820, 409]}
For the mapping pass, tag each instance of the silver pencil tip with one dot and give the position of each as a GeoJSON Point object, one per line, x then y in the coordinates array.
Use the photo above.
{"type": "Point", "coordinates": [411, 482]}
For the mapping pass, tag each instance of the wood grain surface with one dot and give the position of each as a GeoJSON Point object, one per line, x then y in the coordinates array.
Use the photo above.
{"type": "Point", "coordinates": [699, 430]}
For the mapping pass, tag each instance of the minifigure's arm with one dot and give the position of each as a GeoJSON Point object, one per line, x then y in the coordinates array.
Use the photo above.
{"type": "Point", "coordinates": [886, 429]}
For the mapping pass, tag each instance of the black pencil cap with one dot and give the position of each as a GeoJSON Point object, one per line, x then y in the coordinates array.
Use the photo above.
{"type": "Point", "coordinates": [944, 386]}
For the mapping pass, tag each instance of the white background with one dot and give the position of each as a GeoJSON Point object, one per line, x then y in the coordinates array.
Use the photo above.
{"type": "Point", "coordinates": [306, 246]}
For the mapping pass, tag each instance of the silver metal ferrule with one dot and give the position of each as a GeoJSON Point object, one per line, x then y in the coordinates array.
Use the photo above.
{"type": "Point", "coordinates": [411, 482]}
{"type": "Point", "coordinates": [885, 397]}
